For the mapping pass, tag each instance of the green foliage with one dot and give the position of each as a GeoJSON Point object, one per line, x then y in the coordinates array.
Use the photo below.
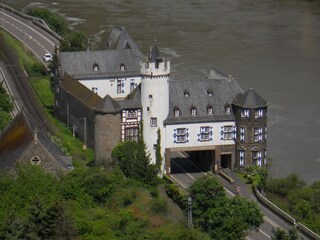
{"type": "Point", "coordinates": [257, 176]}
{"type": "Point", "coordinates": [158, 150]}
{"type": "Point", "coordinates": [73, 41]}
{"type": "Point", "coordinates": [5, 118]}
{"type": "Point", "coordinates": [282, 186]}
{"type": "Point", "coordinates": [159, 206]}
{"type": "Point", "coordinates": [280, 234]}
{"type": "Point", "coordinates": [5, 102]}
{"type": "Point", "coordinates": [176, 195]}
{"type": "Point", "coordinates": [134, 162]}
{"type": "Point", "coordinates": [30, 205]}
{"type": "Point", "coordinates": [221, 217]}
{"type": "Point", "coordinates": [35, 69]}
{"type": "Point", "coordinates": [301, 201]}
{"type": "Point", "coordinates": [55, 21]}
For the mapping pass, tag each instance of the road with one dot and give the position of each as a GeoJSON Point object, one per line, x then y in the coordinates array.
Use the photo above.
{"type": "Point", "coordinates": [39, 42]}
{"type": "Point", "coordinates": [35, 38]}
{"type": "Point", "coordinates": [185, 171]}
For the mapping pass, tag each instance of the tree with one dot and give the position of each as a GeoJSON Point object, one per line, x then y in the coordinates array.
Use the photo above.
{"type": "Point", "coordinates": [280, 234]}
{"type": "Point", "coordinates": [221, 217]}
{"type": "Point", "coordinates": [134, 162]}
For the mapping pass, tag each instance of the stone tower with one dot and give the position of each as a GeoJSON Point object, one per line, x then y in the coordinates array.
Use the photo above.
{"type": "Point", "coordinates": [155, 72]}
{"type": "Point", "coordinates": [250, 111]}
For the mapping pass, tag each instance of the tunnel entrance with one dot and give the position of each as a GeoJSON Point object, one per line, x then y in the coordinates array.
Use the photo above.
{"type": "Point", "coordinates": [191, 161]}
{"type": "Point", "coordinates": [226, 161]}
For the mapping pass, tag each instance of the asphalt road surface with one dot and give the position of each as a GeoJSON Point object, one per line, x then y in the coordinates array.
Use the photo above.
{"type": "Point", "coordinates": [36, 39]}
{"type": "Point", "coordinates": [185, 171]}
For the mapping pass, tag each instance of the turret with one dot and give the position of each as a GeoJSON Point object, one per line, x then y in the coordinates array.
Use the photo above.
{"type": "Point", "coordinates": [155, 72]}
{"type": "Point", "coordinates": [250, 111]}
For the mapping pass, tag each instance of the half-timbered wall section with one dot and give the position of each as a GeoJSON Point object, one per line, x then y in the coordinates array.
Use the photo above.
{"type": "Point", "coordinates": [130, 124]}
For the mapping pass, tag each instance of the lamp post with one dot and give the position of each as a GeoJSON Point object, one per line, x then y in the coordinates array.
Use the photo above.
{"type": "Point", "coordinates": [190, 225]}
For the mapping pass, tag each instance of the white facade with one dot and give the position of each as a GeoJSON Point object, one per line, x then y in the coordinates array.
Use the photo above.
{"type": "Point", "coordinates": [155, 103]}
{"type": "Point", "coordinates": [115, 87]}
{"type": "Point", "coordinates": [200, 135]}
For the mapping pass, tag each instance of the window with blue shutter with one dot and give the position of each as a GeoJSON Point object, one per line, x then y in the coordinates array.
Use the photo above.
{"type": "Point", "coordinates": [228, 132]}
{"type": "Point", "coordinates": [181, 135]}
{"type": "Point", "coordinates": [205, 134]}
{"type": "Point", "coordinates": [242, 134]}
{"type": "Point", "coordinates": [241, 158]}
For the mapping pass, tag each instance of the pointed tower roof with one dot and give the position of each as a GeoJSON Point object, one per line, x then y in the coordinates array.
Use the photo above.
{"type": "Point", "coordinates": [107, 105]}
{"type": "Point", "coordinates": [249, 99]}
{"type": "Point", "coordinates": [154, 53]}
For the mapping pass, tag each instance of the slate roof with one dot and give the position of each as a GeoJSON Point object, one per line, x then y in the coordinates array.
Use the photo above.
{"type": "Point", "coordinates": [154, 54]}
{"type": "Point", "coordinates": [121, 50]}
{"type": "Point", "coordinates": [216, 91]}
{"type": "Point", "coordinates": [250, 99]}
{"type": "Point", "coordinates": [119, 39]}
{"type": "Point", "coordinates": [107, 105]}
{"type": "Point", "coordinates": [80, 91]}
{"type": "Point", "coordinates": [132, 100]}
{"type": "Point", "coordinates": [18, 136]}
{"type": "Point", "coordinates": [94, 101]}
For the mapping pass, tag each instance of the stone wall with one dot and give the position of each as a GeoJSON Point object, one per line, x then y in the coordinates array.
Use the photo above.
{"type": "Point", "coordinates": [107, 135]}
{"type": "Point", "coordinates": [74, 113]}
{"type": "Point", "coordinates": [36, 154]}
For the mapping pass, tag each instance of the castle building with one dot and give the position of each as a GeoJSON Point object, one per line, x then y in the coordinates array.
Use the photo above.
{"type": "Point", "coordinates": [118, 93]}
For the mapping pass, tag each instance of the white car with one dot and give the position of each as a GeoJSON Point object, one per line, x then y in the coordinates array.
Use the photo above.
{"type": "Point", "coordinates": [47, 57]}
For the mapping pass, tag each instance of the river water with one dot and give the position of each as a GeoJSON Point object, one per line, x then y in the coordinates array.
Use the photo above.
{"type": "Point", "coordinates": [272, 46]}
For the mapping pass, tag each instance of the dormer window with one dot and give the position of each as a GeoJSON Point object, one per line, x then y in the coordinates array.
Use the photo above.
{"type": "Point", "coordinates": [193, 111]}
{"type": "Point", "coordinates": [95, 67]}
{"type": "Point", "coordinates": [210, 110]}
{"type": "Point", "coordinates": [209, 93]}
{"type": "Point", "coordinates": [127, 46]}
{"type": "Point", "coordinates": [186, 93]}
{"type": "Point", "coordinates": [176, 112]}
{"type": "Point", "coordinates": [122, 67]}
{"type": "Point", "coordinates": [228, 109]}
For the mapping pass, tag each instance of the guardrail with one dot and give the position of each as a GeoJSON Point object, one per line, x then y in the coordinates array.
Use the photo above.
{"type": "Point", "coordinates": [308, 232]}
{"type": "Point", "coordinates": [37, 21]}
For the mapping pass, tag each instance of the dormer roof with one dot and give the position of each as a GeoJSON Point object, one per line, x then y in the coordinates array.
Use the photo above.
{"type": "Point", "coordinates": [250, 99]}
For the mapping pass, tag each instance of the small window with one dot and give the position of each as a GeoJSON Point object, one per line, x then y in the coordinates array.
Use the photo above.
{"type": "Point", "coordinates": [150, 96]}
{"type": "Point", "coordinates": [186, 93]}
{"type": "Point", "coordinates": [177, 112]}
{"type": "Point", "coordinates": [131, 114]}
{"type": "Point", "coordinates": [95, 89]}
{"type": "Point", "coordinates": [193, 112]}
{"type": "Point", "coordinates": [122, 67]}
{"type": "Point", "coordinates": [95, 67]}
{"type": "Point", "coordinates": [35, 160]}
{"type": "Point", "coordinates": [245, 113]}
{"type": "Point", "coordinates": [132, 85]}
{"type": "Point", "coordinates": [228, 109]}
{"type": "Point", "coordinates": [258, 113]}
{"type": "Point", "coordinates": [209, 93]}
{"type": "Point", "coordinates": [153, 122]}
{"type": "Point", "coordinates": [148, 109]}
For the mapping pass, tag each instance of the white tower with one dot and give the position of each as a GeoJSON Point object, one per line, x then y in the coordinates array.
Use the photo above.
{"type": "Point", "coordinates": [155, 100]}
